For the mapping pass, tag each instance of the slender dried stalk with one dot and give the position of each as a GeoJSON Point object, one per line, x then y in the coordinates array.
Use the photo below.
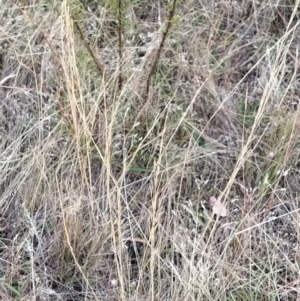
{"type": "Point", "coordinates": [120, 44]}
{"type": "Point", "coordinates": [160, 47]}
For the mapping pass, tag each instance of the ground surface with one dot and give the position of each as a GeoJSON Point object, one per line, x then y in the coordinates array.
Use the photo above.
{"type": "Point", "coordinates": [136, 169]}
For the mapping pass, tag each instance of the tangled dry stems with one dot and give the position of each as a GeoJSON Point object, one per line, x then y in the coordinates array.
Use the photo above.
{"type": "Point", "coordinates": [91, 164]}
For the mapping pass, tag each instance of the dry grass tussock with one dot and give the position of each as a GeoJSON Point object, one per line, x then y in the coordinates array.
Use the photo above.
{"type": "Point", "coordinates": [149, 150]}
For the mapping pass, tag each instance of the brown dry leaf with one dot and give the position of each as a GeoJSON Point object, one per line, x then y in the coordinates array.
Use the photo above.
{"type": "Point", "coordinates": [217, 207]}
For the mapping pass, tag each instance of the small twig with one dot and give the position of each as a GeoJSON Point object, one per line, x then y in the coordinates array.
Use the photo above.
{"type": "Point", "coordinates": [6, 79]}
{"type": "Point", "coordinates": [160, 47]}
{"type": "Point", "coordinates": [99, 65]}
{"type": "Point", "coordinates": [120, 45]}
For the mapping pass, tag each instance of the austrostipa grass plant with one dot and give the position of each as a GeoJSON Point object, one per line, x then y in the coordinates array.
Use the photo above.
{"type": "Point", "coordinates": [149, 150]}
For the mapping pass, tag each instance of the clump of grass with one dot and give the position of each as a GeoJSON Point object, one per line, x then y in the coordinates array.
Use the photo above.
{"type": "Point", "coordinates": [119, 121]}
